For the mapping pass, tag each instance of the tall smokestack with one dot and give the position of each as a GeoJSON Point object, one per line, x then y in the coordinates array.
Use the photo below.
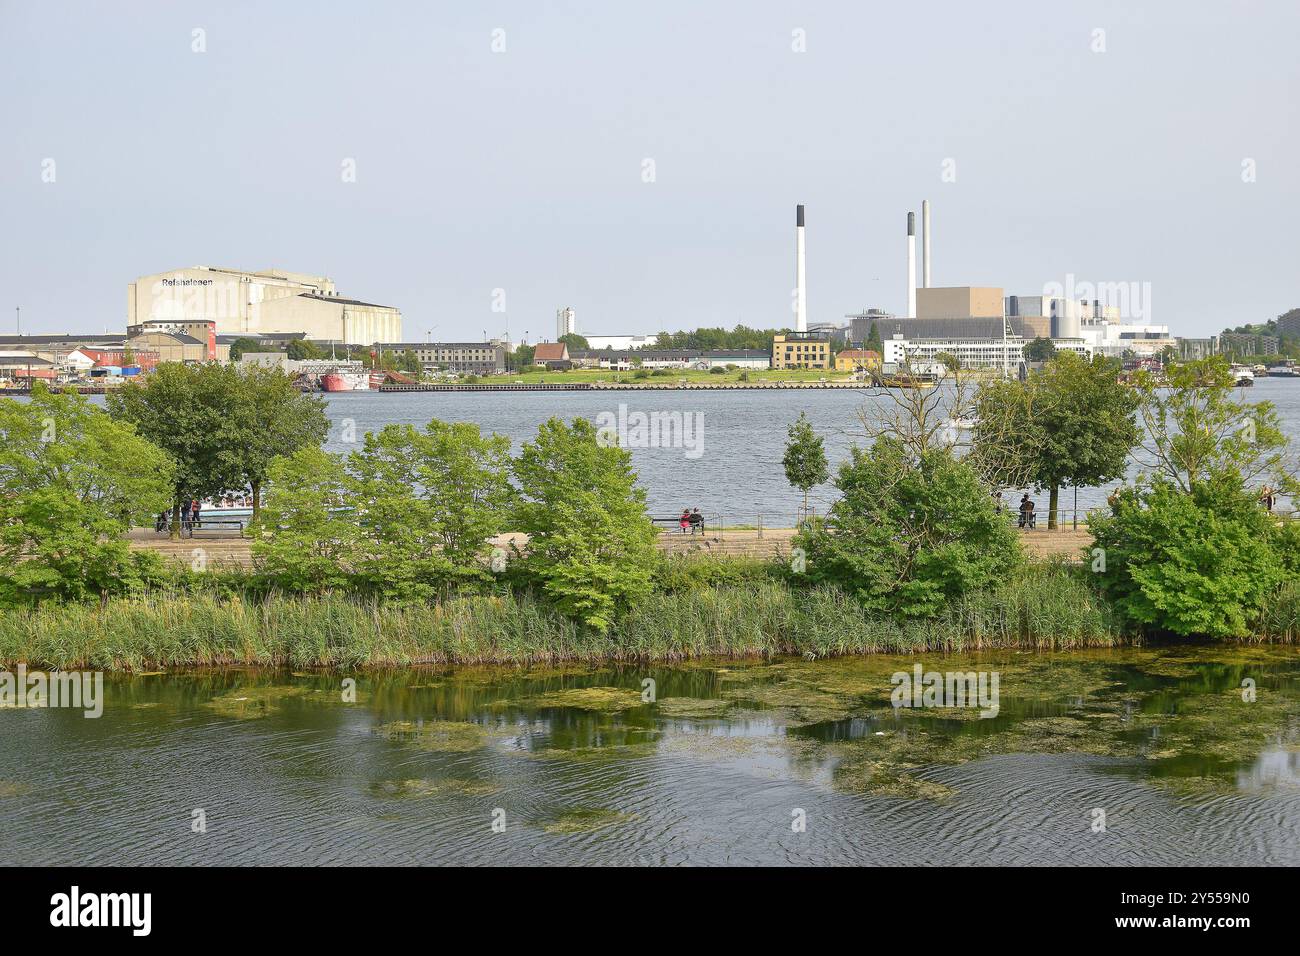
{"type": "Point", "coordinates": [925, 243]}
{"type": "Point", "coordinates": [911, 265]}
{"type": "Point", "coordinates": [801, 291]}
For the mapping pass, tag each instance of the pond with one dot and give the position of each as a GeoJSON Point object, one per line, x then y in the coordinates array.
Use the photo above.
{"type": "Point", "coordinates": [1134, 756]}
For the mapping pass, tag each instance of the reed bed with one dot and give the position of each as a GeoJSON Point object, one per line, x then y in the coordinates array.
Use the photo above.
{"type": "Point", "coordinates": [1044, 607]}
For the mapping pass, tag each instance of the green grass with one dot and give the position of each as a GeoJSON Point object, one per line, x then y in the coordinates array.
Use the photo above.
{"type": "Point", "coordinates": [743, 612]}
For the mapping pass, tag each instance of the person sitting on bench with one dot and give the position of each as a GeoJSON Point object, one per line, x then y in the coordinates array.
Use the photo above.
{"type": "Point", "coordinates": [697, 522]}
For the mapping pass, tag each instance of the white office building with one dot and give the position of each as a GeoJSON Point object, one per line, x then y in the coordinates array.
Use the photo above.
{"type": "Point", "coordinates": [566, 323]}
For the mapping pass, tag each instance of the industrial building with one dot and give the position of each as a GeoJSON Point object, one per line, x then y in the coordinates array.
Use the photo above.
{"type": "Point", "coordinates": [253, 303]}
{"type": "Point", "coordinates": [621, 343]}
{"type": "Point", "coordinates": [860, 324]}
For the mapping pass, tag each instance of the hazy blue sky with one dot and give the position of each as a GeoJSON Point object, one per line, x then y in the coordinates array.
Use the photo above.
{"type": "Point", "coordinates": [523, 170]}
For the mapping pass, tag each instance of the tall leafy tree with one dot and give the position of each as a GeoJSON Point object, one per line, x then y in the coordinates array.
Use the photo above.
{"type": "Point", "coordinates": [307, 538]}
{"type": "Point", "coordinates": [591, 547]}
{"type": "Point", "coordinates": [195, 414]}
{"type": "Point", "coordinates": [1039, 350]}
{"type": "Point", "coordinates": [1196, 430]}
{"type": "Point", "coordinates": [873, 339]}
{"type": "Point", "coordinates": [805, 458]}
{"type": "Point", "coordinates": [428, 501]}
{"type": "Point", "coordinates": [72, 482]}
{"type": "Point", "coordinates": [467, 474]}
{"type": "Point", "coordinates": [401, 530]}
{"type": "Point", "coordinates": [274, 419]}
{"type": "Point", "coordinates": [1071, 423]}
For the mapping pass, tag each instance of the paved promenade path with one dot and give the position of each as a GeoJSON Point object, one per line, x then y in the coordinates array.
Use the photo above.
{"type": "Point", "coordinates": [228, 548]}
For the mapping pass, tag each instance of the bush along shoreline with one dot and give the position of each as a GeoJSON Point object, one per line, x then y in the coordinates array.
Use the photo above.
{"type": "Point", "coordinates": [377, 557]}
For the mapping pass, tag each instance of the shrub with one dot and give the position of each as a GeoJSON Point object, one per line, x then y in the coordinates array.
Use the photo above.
{"type": "Point", "coordinates": [910, 536]}
{"type": "Point", "coordinates": [1198, 562]}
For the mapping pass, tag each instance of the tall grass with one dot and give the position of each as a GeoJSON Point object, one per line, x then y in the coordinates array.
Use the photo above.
{"type": "Point", "coordinates": [1046, 608]}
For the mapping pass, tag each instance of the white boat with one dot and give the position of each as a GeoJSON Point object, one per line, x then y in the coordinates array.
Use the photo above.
{"type": "Point", "coordinates": [1283, 371]}
{"type": "Point", "coordinates": [1242, 376]}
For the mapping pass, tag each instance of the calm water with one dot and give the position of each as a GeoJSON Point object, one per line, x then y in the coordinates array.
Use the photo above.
{"type": "Point", "coordinates": [738, 473]}
{"type": "Point", "coordinates": [1161, 740]}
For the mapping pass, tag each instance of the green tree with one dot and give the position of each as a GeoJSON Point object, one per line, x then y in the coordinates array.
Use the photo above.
{"type": "Point", "coordinates": [591, 548]}
{"type": "Point", "coordinates": [302, 350]}
{"type": "Point", "coordinates": [467, 476]}
{"type": "Point", "coordinates": [873, 339]}
{"type": "Point", "coordinates": [243, 345]}
{"type": "Point", "coordinates": [401, 531]}
{"type": "Point", "coordinates": [949, 361]}
{"type": "Point", "coordinates": [804, 459]}
{"type": "Point", "coordinates": [574, 341]}
{"type": "Point", "coordinates": [410, 363]}
{"type": "Point", "coordinates": [72, 482]}
{"type": "Point", "coordinates": [909, 534]}
{"type": "Point", "coordinates": [1071, 422]}
{"type": "Point", "coordinates": [1039, 350]}
{"type": "Point", "coordinates": [274, 419]}
{"type": "Point", "coordinates": [524, 356]}
{"type": "Point", "coordinates": [1195, 430]}
{"type": "Point", "coordinates": [194, 414]}
{"type": "Point", "coordinates": [1197, 562]}
{"type": "Point", "coordinates": [306, 538]}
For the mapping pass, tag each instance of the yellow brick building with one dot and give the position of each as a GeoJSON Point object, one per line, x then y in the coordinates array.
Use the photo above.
{"type": "Point", "coordinates": [801, 350]}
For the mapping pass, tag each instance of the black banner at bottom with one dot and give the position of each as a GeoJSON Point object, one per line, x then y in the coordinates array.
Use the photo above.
{"type": "Point", "coordinates": [334, 905]}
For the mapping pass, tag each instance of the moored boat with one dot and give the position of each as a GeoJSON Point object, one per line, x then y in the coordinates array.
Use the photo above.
{"type": "Point", "coordinates": [341, 380]}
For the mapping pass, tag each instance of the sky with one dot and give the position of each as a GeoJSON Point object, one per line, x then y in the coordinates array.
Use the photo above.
{"type": "Point", "coordinates": [481, 165]}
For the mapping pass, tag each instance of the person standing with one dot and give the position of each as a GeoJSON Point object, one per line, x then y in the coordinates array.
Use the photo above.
{"type": "Point", "coordinates": [185, 516]}
{"type": "Point", "coordinates": [194, 512]}
{"type": "Point", "coordinates": [1026, 511]}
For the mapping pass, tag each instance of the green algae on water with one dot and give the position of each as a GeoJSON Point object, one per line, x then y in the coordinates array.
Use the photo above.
{"type": "Point", "coordinates": [261, 700]}
{"type": "Point", "coordinates": [405, 789]}
{"type": "Point", "coordinates": [587, 820]}
{"type": "Point", "coordinates": [608, 700]}
{"type": "Point", "coordinates": [448, 736]}
{"type": "Point", "coordinates": [686, 708]}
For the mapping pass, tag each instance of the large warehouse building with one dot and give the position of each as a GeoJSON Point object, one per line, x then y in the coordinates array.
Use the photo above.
{"type": "Point", "coordinates": [256, 303]}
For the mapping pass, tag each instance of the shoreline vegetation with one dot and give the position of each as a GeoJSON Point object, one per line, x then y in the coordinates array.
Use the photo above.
{"type": "Point", "coordinates": [1049, 607]}
{"type": "Point", "coordinates": [384, 556]}
{"type": "Point", "coordinates": [758, 616]}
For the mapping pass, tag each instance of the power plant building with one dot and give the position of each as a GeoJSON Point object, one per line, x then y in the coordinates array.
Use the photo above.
{"type": "Point", "coordinates": [258, 303]}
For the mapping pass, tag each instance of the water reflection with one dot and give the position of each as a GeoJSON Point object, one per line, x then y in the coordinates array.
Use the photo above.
{"type": "Point", "coordinates": [587, 770]}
